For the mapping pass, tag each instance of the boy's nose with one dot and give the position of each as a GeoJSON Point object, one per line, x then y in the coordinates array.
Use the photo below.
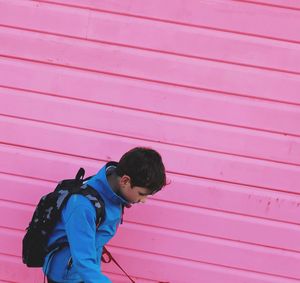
{"type": "Point", "coordinates": [143, 200]}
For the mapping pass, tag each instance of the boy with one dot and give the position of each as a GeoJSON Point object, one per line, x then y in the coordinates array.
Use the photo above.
{"type": "Point", "coordinates": [139, 173]}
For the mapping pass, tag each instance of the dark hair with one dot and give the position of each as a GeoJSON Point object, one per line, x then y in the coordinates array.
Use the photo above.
{"type": "Point", "coordinates": [145, 168]}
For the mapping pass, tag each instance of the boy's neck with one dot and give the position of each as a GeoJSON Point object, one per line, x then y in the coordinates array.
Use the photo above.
{"type": "Point", "coordinates": [113, 180]}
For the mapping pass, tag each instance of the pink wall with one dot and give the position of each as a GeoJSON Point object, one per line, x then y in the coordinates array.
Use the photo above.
{"type": "Point", "coordinates": [213, 85]}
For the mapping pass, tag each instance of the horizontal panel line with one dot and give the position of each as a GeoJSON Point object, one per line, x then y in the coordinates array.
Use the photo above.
{"type": "Point", "coordinates": [9, 255]}
{"type": "Point", "coordinates": [17, 230]}
{"type": "Point", "coordinates": [175, 173]}
{"type": "Point", "coordinates": [180, 231]}
{"type": "Point", "coordinates": [180, 259]}
{"type": "Point", "coordinates": [150, 227]}
{"type": "Point", "coordinates": [27, 177]}
{"type": "Point", "coordinates": [171, 202]}
{"type": "Point", "coordinates": [2, 280]}
{"type": "Point", "coordinates": [243, 244]}
{"type": "Point", "coordinates": [222, 239]}
{"type": "Point", "coordinates": [136, 277]}
{"type": "Point", "coordinates": [52, 182]}
{"type": "Point", "coordinates": [146, 80]}
{"type": "Point", "coordinates": [170, 21]}
{"type": "Point", "coordinates": [225, 211]}
{"type": "Point", "coordinates": [50, 151]}
{"type": "Point", "coordinates": [135, 138]}
{"type": "Point", "coordinates": [268, 4]}
{"type": "Point", "coordinates": [20, 203]}
{"type": "Point", "coordinates": [119, 106]}
{"type": "Point", "coordinates": [11, 230]}
{"type": "Point", "coordinates": [155, 200]}
{"type": "Point", "coordinates": [260, 67]}
{"type": "Point", "coordinates": [6, 281]}
{"type": "Point", "coordinates": [207, 263]}
{"type": "Point", "coordinates": [288, 194]}
{"type": "Point", "coordinates": [234, 183]}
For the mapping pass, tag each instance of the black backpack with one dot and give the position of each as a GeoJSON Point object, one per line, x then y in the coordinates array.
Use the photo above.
{"type": "Point", "coordinates": [47, 214]}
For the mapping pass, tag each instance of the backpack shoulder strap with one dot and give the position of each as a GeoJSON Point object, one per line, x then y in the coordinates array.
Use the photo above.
{"type": "Point", "coordinates": [96, 200]}
{"type": "Point", "coordinates": [91, 194]}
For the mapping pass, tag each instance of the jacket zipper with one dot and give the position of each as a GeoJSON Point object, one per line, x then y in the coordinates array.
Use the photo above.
{"type": "Point", "coordinates": [69, 265]}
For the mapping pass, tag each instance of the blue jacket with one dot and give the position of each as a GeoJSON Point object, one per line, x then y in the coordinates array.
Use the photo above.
{"type": "Point", "coordinates": [78, 227]}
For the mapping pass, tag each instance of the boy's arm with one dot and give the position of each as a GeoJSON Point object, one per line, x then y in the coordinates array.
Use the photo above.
{"type": "Point", "coordinates": [80, 224]}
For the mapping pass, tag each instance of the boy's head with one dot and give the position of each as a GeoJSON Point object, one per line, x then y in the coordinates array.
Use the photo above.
{"type": "Point", "coordinates": [141, 173]}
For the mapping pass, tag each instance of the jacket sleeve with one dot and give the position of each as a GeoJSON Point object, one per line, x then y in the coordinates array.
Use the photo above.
{"type": "Point", "coordinates": [80, 224]}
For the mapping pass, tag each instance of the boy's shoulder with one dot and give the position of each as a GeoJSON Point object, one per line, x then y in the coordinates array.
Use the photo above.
{"type": "Point", "coordinates": [76, 204]}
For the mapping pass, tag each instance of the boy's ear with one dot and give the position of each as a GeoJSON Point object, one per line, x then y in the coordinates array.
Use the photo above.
{"type": "Point", "coordinates": [125, 179]}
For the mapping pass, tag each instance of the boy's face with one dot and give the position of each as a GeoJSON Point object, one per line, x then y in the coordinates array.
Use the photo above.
{"type": "Point", "coordinates": [133, 194]}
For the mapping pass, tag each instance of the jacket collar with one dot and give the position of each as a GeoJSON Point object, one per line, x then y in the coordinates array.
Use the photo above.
{"type": "Point", "coordinates": [100, 183]}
